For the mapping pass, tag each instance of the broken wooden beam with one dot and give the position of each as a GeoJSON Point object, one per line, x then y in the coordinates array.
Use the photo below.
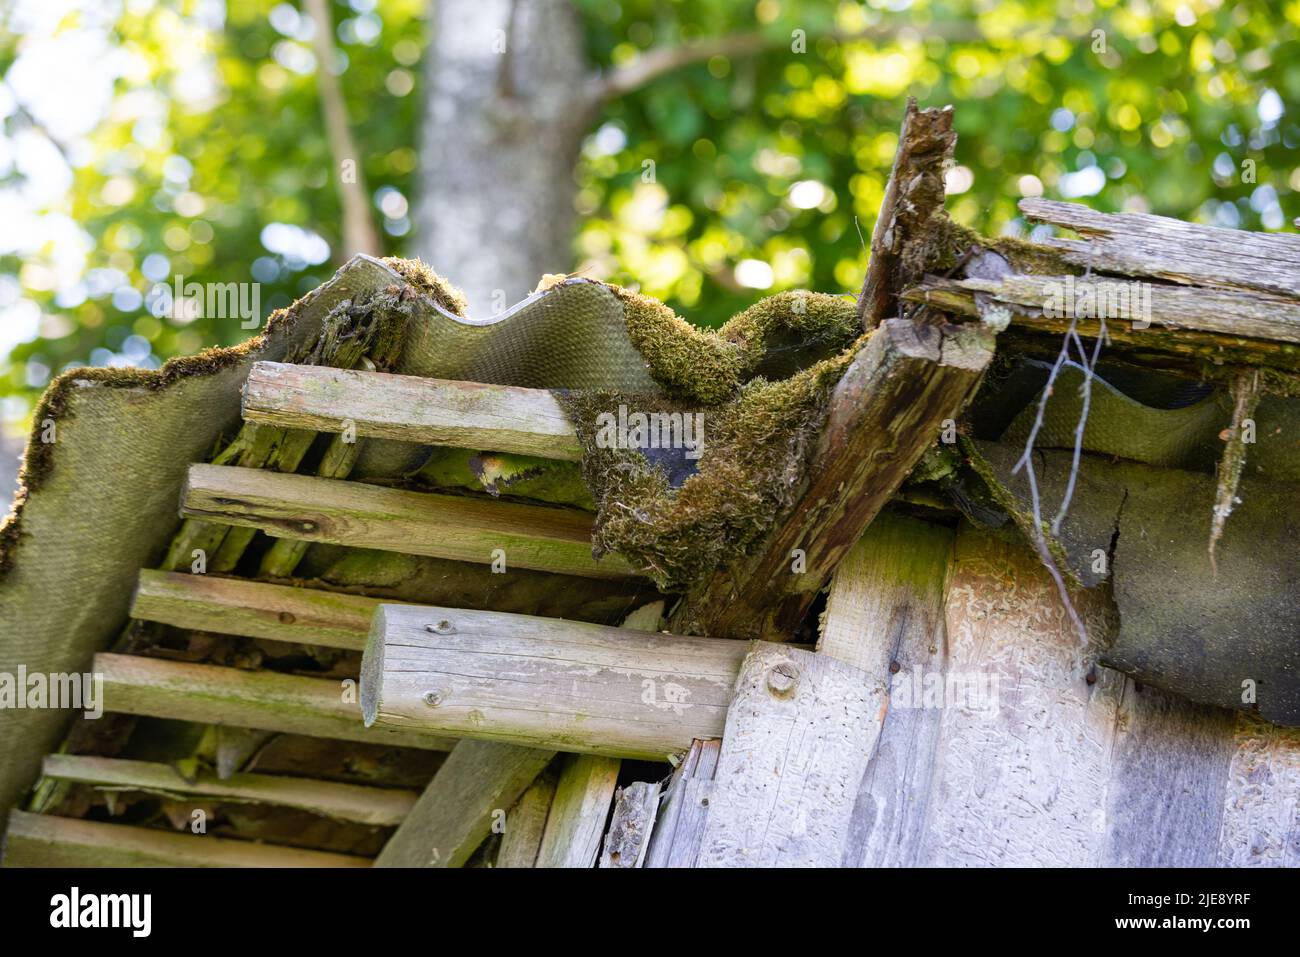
{"type": "Point", "coordinates": [630, 826]}
{"type": "Point", "coordinates": [574, 827]}
{"type": "Point", "coordinates": [885, 412]}
{"type": "Point", "coordinates": [40, 840]}
{"type": "Point", "coordinates": [379, 405]}
{"type": "Point", "coordinates": [1138, 244]}
{"type": "Point", "coordinates": [381, 807]}
{"type": "Point", "coordinates": [210, 694]}
{"type": "Point", "coordinates": [478, 781]}
{"type": "Point", "coordinates": [552, 684]}
{"type": "Point", "coordinates": [415, 523]}
{"type": "Point", "coordinates": [237, 606]}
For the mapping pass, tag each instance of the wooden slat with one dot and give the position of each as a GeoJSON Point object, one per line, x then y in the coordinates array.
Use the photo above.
{"type": "Point", "coordinates": [381, 807]}
{"type": "Point", "coordinates": [628, 837]}
{"type": "Point", "coordinates": [796, 746]}
{"type": "Point", "coordinates": [468, 415]}
{"type": "Point", "coordinates": [250, 699]}
{"type": "Point", "coordinates": [526, 823]}
{"type": "Point", "coordinates": [559, 685]}
{"type": "Point", "coordinates": [454, 814]}
{"type": "Point", "coordinates": [1138, 244]}
{"type": "Point", "coordinates": [236, 606]}
{"type": "Point", "coordinates": [38, 840]}
{"type": "Point", "coordinates": [679, 828]}
{"type": "Point", "coordinates": [577, 819]}
{"type": "Point", "coordinates": [415, 523]}
{"type": "Point", "coordinates": [885, 411]}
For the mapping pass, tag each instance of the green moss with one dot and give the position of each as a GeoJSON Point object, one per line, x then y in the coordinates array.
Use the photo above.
{"type": "Point", "coordinates": [428, 282]}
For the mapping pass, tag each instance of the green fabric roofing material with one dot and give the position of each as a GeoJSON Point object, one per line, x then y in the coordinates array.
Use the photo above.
{"type": "Point", "coordinates": [100, 502]}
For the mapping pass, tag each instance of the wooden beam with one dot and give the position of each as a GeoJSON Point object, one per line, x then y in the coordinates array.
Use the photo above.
{"type": "Point", "coordinates": [381, 807]}
{"type": "Point", "coordinates": [526, 823]}
{"type": "Point", "coordinates": [794, 752]}
{"type": "Point", "coordinates": [679, 828]}
{"type": "Point", "coordinates": [577, 819]}
{"type": "Point", "coordinates": [557, 685]}
{"type": "Point", "coordinates": [415, 523]}
{"type": "Point", "coordinates": [888, 408]}
{"type": "Point", "coordinates": [468, 415]}
{"type": "Point", "coordinates": [39, 840]}
{"type": "Point", "coordinates": [913, 197]}
{"type": "Point", "coordinates": [1138, 244]}
{"type": "Point", "coordinates": [237, 606]}
{"type": "Point", "coordinates": [210, 694]}
{"type": "Point", "coordinates": [628, 838]}
{"type": "Point", "coordinates": [454, 814]}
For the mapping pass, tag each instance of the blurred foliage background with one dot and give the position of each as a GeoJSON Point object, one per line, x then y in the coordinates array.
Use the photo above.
{"type": "Point", "coordinates": [142, 140]}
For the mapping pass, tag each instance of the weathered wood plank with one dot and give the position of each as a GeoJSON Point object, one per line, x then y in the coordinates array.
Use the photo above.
{"type": "Point", "coordinates": [884, 615]}
{"type": "Point", "coordinates": [454, 814]}
{"type": "Point", "coordinates": [526, 823]}
{"type": "Point", "coordinates": [1138, 244]}
{"type": "Point", "coordinates": [1227, 312]}
{"type": "Point", "coordinates": [381, 807]}
{"type": "Point", "coordinates": [679, 828]}
{"type": "Point", "coordinates": [792, 758]}
{"type": "Point", "coordinates": [577, 819]}
{"type": "Point", "coordinates": [39, 840]}
{"type": "Point", "coordinates": [251, 699]}
{"type": "Point", "coordinates": [411, 409]}
{"type": "Point", "coordinates": [887, 409]}
{"type": "Point", "coordinates": [914, 194]}
{"type": "Point", "coordinates": [628, 837]}
{"type": "Point", "coordinates": [1261, 801]}
{"type": "Point", "coordinates": [416, 523]}
{"type": "Point", "coordinates": [561, 685]}
{"type": "Point", "coordinates": [237, 606]}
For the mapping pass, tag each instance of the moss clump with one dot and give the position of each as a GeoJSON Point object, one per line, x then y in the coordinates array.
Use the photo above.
{"type": "Point", "coordinates": [773, 338]}
{"type": "Point", "coordinates": [429, 282]}
{"type": "Point", "coordinates": [752, 468]}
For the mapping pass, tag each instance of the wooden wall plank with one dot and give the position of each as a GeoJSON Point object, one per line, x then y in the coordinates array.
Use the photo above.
{"type": "Point", "coordinates": [250, 699]}
{"type": "Point", "coordinates": [39, 840]}
{"type": "Point", "coordinates": [628, 837]}
{"type": "Point", "coordinates": [454, 814]}
{"type": "Point", "coordinates": [526, 823]}
{"type": "Point", "coordinates": [416, 523]}
{"type": "Point", "coordinates": [553, 684]}
{"type": "Point", "coordinates": [468, 415]}
{"type": "Point", "coordinates": [1261, 800]}
{"type": "Point", "coordinates": [679, 827]}
{"type": "Point", "coordinates": [577, 819]}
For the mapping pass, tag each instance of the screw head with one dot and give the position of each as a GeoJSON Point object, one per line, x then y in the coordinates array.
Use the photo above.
{"type": "Point", "coordinates": [781, 678]}
{"type": "Point", "coordinates": [433, 698]}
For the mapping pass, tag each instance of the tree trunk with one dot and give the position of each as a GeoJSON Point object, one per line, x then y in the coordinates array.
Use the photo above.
{"type": "Point", "coordinates": [507, 105]}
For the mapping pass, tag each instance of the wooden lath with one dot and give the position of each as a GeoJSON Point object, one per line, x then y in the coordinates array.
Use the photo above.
{"type": "Point", "coordinates": [411, 409]}
{"type": "Point", "coordinates": [414, 523]}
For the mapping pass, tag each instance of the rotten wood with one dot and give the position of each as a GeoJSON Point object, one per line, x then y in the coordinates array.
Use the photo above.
{"type": "Point", "coordinates": [679, 826]}
{"type": "Point", "coordinates": [628, 837]}
{"type": "Point", "coordinates": [415, 523]}
{"type": "Point", "coordinates": [888, 408]}
{"type": "Point", "coordinates": [470, 415]}
{"type": "Point", "coordinates": [577, 819]}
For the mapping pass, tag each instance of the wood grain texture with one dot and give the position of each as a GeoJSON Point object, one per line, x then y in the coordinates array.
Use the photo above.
{"type": "Point", "coordinates": [414, 523]}
{"type": "Point", "coordinates": [885, 615]}
{"type": "Point", "coordinates": [628, 837]}
{"type": "Point", "coordinates": [578, 813]}
{"type": "Point", "coordinates": [237, 606]}
{"type": "Point", "coordinates": [38, 840]}
{"type": "Point", "coordinates": [454, 814]}
{"type": "Point", "coordinates": [792, 758]}
{"type": "Point", "coordinates": [249, 699]}
{"type": "Point", "coordinates": [684, 808]}
{"type": "Point", "coordinates": [469, 415]}
{"type": "Point", "coordinates": [526, 823]}
{"type": "Point", "coordinates": [559, 685]}
{"type": "Point", "coordinates": [1261, 799]}
{"type": "Point", "coordinates": [381, 807]}
{"type": "Point", "coordinates": [887, 409]}
{"type": "Point", "coordinates": [1138, 244]}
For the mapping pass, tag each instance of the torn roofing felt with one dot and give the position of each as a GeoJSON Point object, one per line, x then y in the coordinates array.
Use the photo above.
{"type": "Point", "coordinates": [100, 501]}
